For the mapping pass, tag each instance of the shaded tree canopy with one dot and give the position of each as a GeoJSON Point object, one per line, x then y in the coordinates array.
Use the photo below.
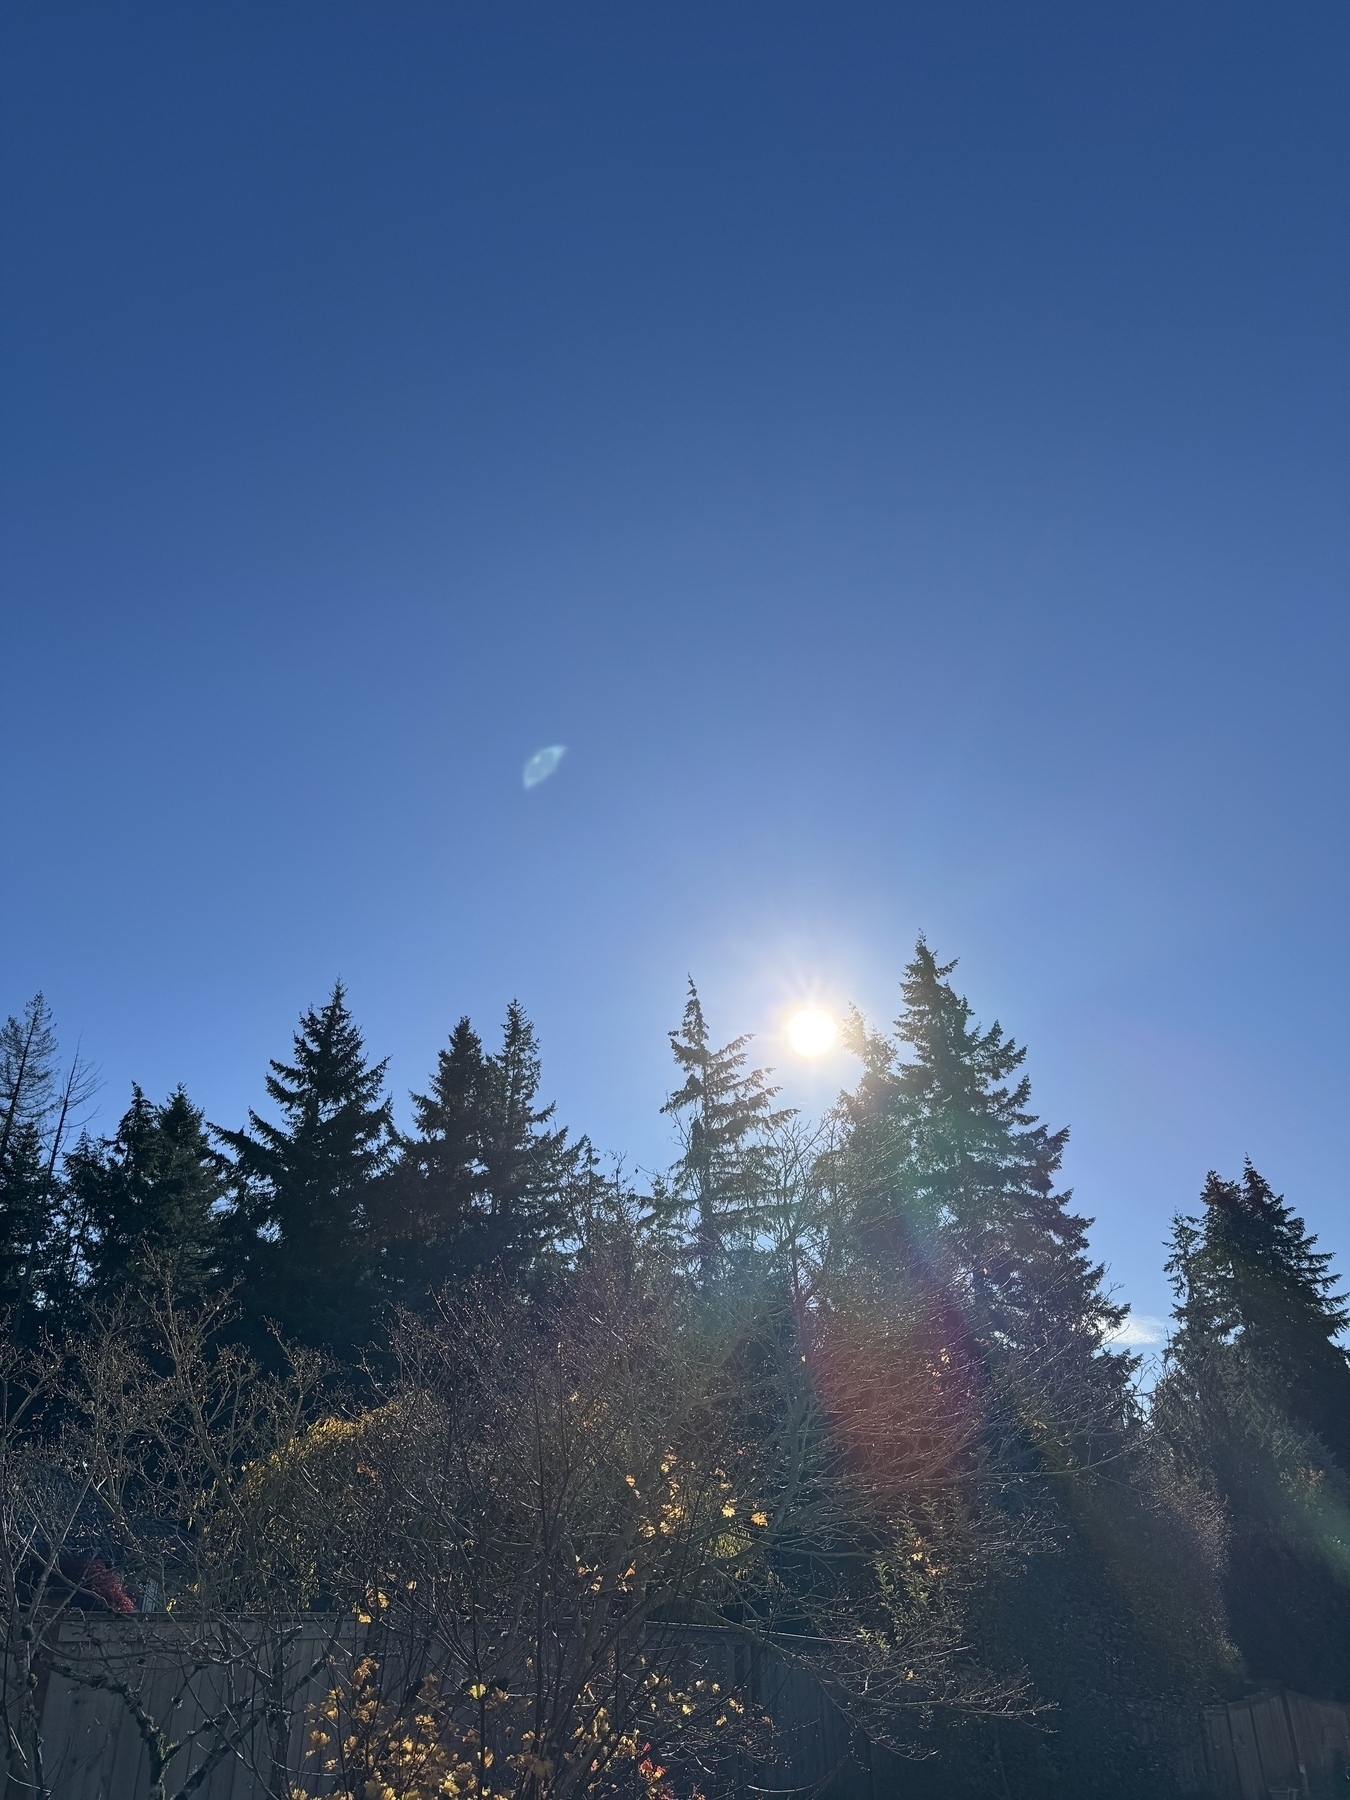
{"type": "Point", "coordinates": [1250, 1278]}
{"type": "Point", "coordinates": [485, 1181]}
{"type": "Point", "coordinates": [1254, 1403]}
{"type": "Point", "coordinates": [154, 1191]}
{"type": "Point", "coordinates": [950, 1166]}
{"type": "Point", "coordinates": [725, 1115]}
{"type": "Point", "coordinates": [39, 1107]}
{"type": "Point", "coordinates": [300, 1232]}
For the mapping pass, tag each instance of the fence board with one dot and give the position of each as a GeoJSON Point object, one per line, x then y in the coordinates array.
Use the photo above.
{"type": "Point", "coordinates": [1274, 1744]}
{"type": "Point", "coordinates": [1279, 1764]}
{"type": "Point", "coordinates": [96, 1752]}
{"type": "Point", "coordinates": [1321, 1731]}
{"type": "Point", "coordinates": [1247, 1749]}
{"type": "Point", "coordinates": [1220, 1757]}
{"type": "Point", "coordinates": [196, 1691]}
{"type": "Point", "coordinates": [1251, 1777]}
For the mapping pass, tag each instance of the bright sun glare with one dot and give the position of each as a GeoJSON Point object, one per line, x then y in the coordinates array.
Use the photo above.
{"type": "Point", "coordinates": [811, 1032]}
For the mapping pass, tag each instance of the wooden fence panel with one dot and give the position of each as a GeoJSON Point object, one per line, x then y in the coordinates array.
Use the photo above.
{"type": "Point", "coordinates": [817, 1750]}
{"type": "Point", "coordinates": [1251, 1776]}
{"type": "Point", "coordinates": [212, 1697]}
{"type": "Point", "coordinates": [1321, 1732]}
{"type": "Point", "coordinates": [1220, 1755]}
{"type": "Point", "coordinates": [1270, 1726]}
{"type": "Point", "coordinates": [94, 1750]}
{"type": "Point", "coordinates": [1274, 1745]}
{"type": "Point", "coordinates": [1248, 1750]}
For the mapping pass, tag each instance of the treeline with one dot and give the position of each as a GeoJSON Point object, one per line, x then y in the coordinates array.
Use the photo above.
{"type": "Point", "coordinates": [853, 1388]}
{"type": "Point", "coordinates": [319, 1220]}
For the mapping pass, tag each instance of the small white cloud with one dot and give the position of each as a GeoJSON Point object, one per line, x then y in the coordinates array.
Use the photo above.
{"type": "Point", "coordinates": [542, 764]}
{"type": "Point", "coordinates": [1137, 1330]}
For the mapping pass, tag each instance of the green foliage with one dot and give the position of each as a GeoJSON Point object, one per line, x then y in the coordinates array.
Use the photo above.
{"type": "Point", "coordinates": [486, 1181]}
{"type": "Point", "coordinates": [26, 1223]}
{"type": "Point", "coordinates": [1249, 1279]}
{"type": "Point", "coordinates": [150, 1194]}
{"type": "Point", "coordinates": [947, 1163]}
{"type": "Point", "coordinates": [1255, 1404]}
{"type": "Point", "coordinates": [38, 1108]}
{"type": "Point", "coordinates": [300, 1234]}
{"type": "Point", "coordinates": [951, 1180]}
{"type": "Point", "coordinates": [725, 1114]}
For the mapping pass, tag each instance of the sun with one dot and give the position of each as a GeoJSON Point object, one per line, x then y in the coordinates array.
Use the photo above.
{"type": "Point", "coordinates": [812, 1032]}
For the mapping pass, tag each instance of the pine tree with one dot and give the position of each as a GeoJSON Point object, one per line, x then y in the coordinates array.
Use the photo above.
{"type": "Point", "coordinates": [27, 1070]}
{"type": "Point", "coordinates": [949, 1165]}
{"type": "Point", "coordinates": [1251, 1278]}
{"type": "Point", "coordinates": [26, 1194]}
{"type": "Point", "coordinates": [38, 1109]}
{"type": "Point", "coordinates": [300, 1228]}
{"type": "Point", "coordinates": [528, 1164]}
{"type": "Point", "coordinates": [27, 1095]}
{"type": "Point", "coordinates": [1255, 1403]}
{"type": "Point", "coordinates": [485, 1180]}
{"type": "Point", "coordinates": [725, 1114]}
{"type": "Point", "coordinates": [951, 1189]}
{"type": "Point", "coordinates": [427, 1205]}
{"type": "Point", "coordinates": [150, 1194]}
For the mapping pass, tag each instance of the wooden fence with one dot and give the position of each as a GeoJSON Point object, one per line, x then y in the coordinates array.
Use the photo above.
{"type": "Point", "coordinates": [243, 1708]}
{"type": "Point", "coordinates": [1277, 1747]}
{"type": "Point", "coordinates": [219, 1704]}
{"type": "Point", "coordinates": [1272, 1747]}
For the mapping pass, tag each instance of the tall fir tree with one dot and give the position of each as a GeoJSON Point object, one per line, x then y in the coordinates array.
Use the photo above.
{"type": "Point", "coordinates": [528, 1163]}
{"type": "Point", "coordinates": [39, 1107]}
{"type": "Point", "coordinates": [485, 1180]}
{"type": "Point", "coordinates": [1255, 1403]}
{"type": "Point", "coordinates": [949, 1165]}
{"type": "Point", "coordinates": [149, 1196]}
{"type": "Point", "coordinates": [27, 1070]}
{"type": "Point", "coordinates": [1250, 1277]}
{"type": "Point", "coordinates": [26, 1212]}
{"type": "Point", "coordinates": [951, 1186]}
{"type": "Point", "coordinates": [428, 1203]}
{"type": "Point", "coordinates": [300, 1232]}
{"type": "Point", "coordinates": [725, 1113]}
{"type": "Point", "coordinates": [27, 1095]}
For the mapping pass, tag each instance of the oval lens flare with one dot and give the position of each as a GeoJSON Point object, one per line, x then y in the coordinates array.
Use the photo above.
{"type": "Point", "coordinates": [812, 1032]}
{"type": "Point", "coordinates": [542, 764]}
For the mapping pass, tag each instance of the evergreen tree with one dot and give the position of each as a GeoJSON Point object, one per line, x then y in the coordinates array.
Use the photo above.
{"type": "Point", "coordinates": [151, 1192]}
{"type": "Point", "coordinates": [429, 1203]}
{"type": "Point", "coordinates": [951, 1185]}
{"type": "Point", "coordinates": [485, 1180]}
{"type": "Point", "coordinates": [725, 1115]}
{"type": "Point", "coordinates": [27, 1096]}
{"type": "Point", "coordinates": [528, 1164]}
{"type": "Point", "coordinates": [27, 1070]}
{"type": "Point", "coordinates": [38, 1109]}
{"type": "Point", "coordinates": [950, 1167]}
{"type": "Point", "coordinates": [1251, 1277]}
{"type": "Point", "coordinates": [300, 1229]}
{"type": "Point", "coordinates": [1255, 1402]}
{"type": "Point", "coordinates": [26, 1221]}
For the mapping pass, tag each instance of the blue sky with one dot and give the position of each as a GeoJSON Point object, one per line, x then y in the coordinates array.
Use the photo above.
{"type": "Point", "coordinates": [900, 450]}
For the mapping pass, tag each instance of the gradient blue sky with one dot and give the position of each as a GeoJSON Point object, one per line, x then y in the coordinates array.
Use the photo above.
{"type": "Point", "coordinates": [900, 449]}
